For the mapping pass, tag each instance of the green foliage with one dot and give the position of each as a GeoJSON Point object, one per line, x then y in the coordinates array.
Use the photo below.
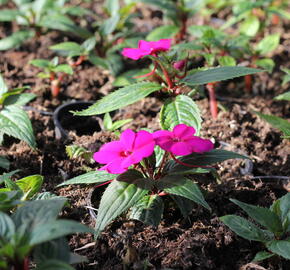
{"type": "Point", "coordinates": [284, 96]}
{"type": "Point", "coordinates": [276, 220]}
{"type": "Point", "coordinates": [121, 98]}
{"type": "Point", "coordinates": [113, 126]}
{"type": "Point", "coordinates": [268, 44]}
{"type": "Point", "coordinates": [4, 163]}
{"type": "Point", "coordinates": [76, 151]}
{"type": "Point", "coordinates": [180, 110]}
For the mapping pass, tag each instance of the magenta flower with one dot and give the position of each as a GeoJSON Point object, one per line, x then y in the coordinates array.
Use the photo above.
{"type": "Point", "coordinates": [181, 141]}
{"type": "Point", "coordinates": [130, 149]}
{"type": "Point", "coordinates": [147, 48]}
{"type": "Point", "coordinates": [179, 65]}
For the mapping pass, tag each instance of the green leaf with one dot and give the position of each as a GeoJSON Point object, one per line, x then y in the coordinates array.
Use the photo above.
{"type": "Point", "coordinates": [76, 151]}
{"type": "Point", "coordinates": [118, 198]}
{"type": "Point", "coordinates": [250, 26]}
{"type": "Point", "coordinates": [107, 121]}
{"type": "Point", "coordinates": [226, 60]}
{"type": "Point", "coordinates": [244, 228]}
{"type": "Point", "coordinates": [4, 163]}
{"type": "Point", "coordinates": [120, 123]}
{"type": "Point", "coordinates": [262, 255]}
{"type": "Point", "coordinates": [277, 122]}
{"type": "Point", "coordinates": [64, 68]}
{"type": "Point", "coordinates": [162, 32]}
{"type": "Point", "coordinates": [207, 158]}
{"type": "Point", "coordinates": [148, 210]}
{"type": "Point", "coordinates": [181, 186]}
{"type": "Point", "coordinates": [15, 122]}
{"type": "Point", "coordinates": [121, 98]}
{"type": "Point", "coordinates": [56, 229]}
{"type": "Point", "coordinates": [92, 177]}
{"type": "Point", "coordinates": [35, 213]}
{"type": "Point", "coordinates": [280, 247]}
{"type": "Point", "coordinates": [267, 64]}
{"type": "Point", "coordinates": [185, 205]}
{"type": "Point", "coordinates": [67, 47]}
{"type": "Point", "coordinates": [19, 99]}
{"type": "Point", "coordinates": [218, 74]}
{"type": "Point", "coordinates": [7, 227]}
{"type": "Point", "coordinates": [15, 40]}
{"type": "Point", "coordinates": [263, 216]}
{"type": "Point", "coordinates": [180, 110]}
{"type": "Point", "coordinates": [6, 176]}
{"type": "Point", "coordinates": [109, 25]}
{"type": "Point", "coordinates": [284, 206]}
{"type": "Point", "coordinates": [30, 185]}
{"type": "Point", "coordinates": [12, 92]}
{"type": "Point", "coordinates": [284, 96]}
{"type": "Point", "coordinates": [3, 86]}
{"type": "Point", "coordinates": [89, 44]}
{"type": "Point", "coordinates": [54, 265]}
{"type": "Point", "coordinates": [112, 6]}
{"type": "Point", "coordinates": [41, 63]}
{"type": "Point", "coordinates": [8, 15]}
{"type": "Point", "coordinates": [268, 44]}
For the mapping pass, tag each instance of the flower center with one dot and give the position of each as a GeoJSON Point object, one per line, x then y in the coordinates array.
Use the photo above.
{"type": "Point", "coordinates": [125, 153]}
{"type": "Point", "coordinates": [176, 139]}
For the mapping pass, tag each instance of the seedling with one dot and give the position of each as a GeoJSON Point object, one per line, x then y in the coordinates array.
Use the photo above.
{"type": "Point", "coordinates": [35, 16]}
{"type": "Point", "coordinates": [14, 120]}
{"type": "Point", "coordinates": [53, 71]}
{"type": "Point", "coordinates": [109, 125]}
{"type": "Point", "coordinates": [275, 222]}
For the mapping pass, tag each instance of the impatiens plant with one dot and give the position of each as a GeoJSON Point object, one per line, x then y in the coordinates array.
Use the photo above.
{"type": "Point", "coordinates": [179, 107]}
{"type": "Point", "coordinates": [34, 17]}
{"type": "Point", "coordinates": [275, 222]}
{"type": "Point", "coordinates": [53, 71]}
{"type": "Point", "coordinates": [143, 167]}
{"type": "Point", "coordinates": [34, 230]}
{"type": "Point", "coordinates": [14, 120]}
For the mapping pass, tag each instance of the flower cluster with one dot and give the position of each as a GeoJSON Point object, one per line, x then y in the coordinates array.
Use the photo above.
{"type": "Point", "coordinates": [133, 147]}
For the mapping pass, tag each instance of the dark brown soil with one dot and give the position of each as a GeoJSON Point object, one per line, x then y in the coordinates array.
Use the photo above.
{"type": "Point", "coordinates": [199, 242]}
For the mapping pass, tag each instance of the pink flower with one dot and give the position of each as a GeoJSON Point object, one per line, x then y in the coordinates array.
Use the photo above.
{"type": "Point", "coordinates": [179, 65]}
{"type": "Point", "coordinates": [147, 48]}
{"type": "Point", "coordinates": [130, 149]}
{"type": "Point", "coordinates": [181, 141]}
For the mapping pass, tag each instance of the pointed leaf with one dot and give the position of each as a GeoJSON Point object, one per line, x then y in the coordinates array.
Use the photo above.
{"type": "Point", "coordinates": [15, 122]}
{"type": "Point", "coordinates": [148, 210]}
{"type": "Point", "coordinates": [67, 47]}
{"type": "Point", "coordinates": [262, 255]}
{"type": "Point", "coordinates": [121, 98]}
{"type": "Point", "coordinates": [15, 40]}
{"type": "Point", "coordinates": [56, 229]}
{"type": "Point", "coordinates": [280, 247]}
{"type": "Point", "coordinates": [263, 216]}
{"type": "Point", "coordinates": [162, 32]}
{"type": "Point", "coordinates": [180, 110]}
{"type": "Point", "coordinates": [41, 63]}
{"type": "Point", "coordinates": [250, 26]}
{"type": "Point", "coordinates": [92, 177]}
{"type": "Point", "coordinates": [19, 99]}
{"type": "Point", "coordinates": [244, 228]}
{"type": "Point", "coordinates": [181, 186]}
{"type": "Point", "coordinates": [218, 74]}
{"type": "Point", "coordinates": [30, 185]}
{"type": "Point", "coordinates": [7, 227]}
{"type": "Point", "coordinates": [268, 44]}
{"type": "Point", "coordinates": [118, 198]}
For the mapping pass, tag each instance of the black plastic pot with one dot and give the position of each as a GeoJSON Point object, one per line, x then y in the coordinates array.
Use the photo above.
{"type": "Point", "coordinates": [65, 121]}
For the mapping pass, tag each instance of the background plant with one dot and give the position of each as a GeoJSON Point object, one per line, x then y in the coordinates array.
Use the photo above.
{"type": "Point", "coordinates": [275, 220]}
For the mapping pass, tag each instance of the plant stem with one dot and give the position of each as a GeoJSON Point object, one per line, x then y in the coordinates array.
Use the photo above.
{"type": "Point", "coordinates": [159, 172]}
{"type": "Point", "coordinates": [212, 100]}
{"type": "Point", "coordinates": [248, 83]}
{"type": "Point", "coordinates": [167, 77]}
{"type": "Point", "coordinates": [104, 183]}
{"type": "Point", "coordinates": [147, 74]}
{"type": "Point", "coordinates": [80, 59]}
{"type": "Point", "coordinates": [55, 87]}
{"type": "Point", "coordinates": [275, 19]}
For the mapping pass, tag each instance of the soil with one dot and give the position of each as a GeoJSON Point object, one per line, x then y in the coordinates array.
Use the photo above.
{"type": "Point", "coordinates": [199, 242]}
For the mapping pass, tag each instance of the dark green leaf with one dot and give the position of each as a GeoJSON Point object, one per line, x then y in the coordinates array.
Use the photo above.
{"type": "Point", "coordinates": [263, 216]}
{"type": "Point", "coordinates": [218, 74]}
{"type": "Point", "coordinates": [180, 110]}
{"type": "Point", "coordinates": [244, 228]}
{"type": "Point", "coordinates": [4, 163]}
{"type": "Point", "coordinates": [163, 32]}
{"type": "Point", "coordinates": [41, 63]}
{"type": "Point", "coordinates": [92, 177]}
{"type": "Point", "coordinates": [19, 99]}
{"type": "Point", "coordinates": [181, 186]}
{"type": "Point", "coordinates": [15, 122]}
{"type": "Point", "coordinates": [7, 227]}
{"type": "Point", "coordinates": [67, 47]}
{"type": "Point", "coordinates": [55, 229]}
{"type": "Point", "coordinates": [277, 122]}
{"type": "Point", "coordinates": [262, 255]}
{"type": "Point", "coordinates": [185, 205]}
{"type": "Point", "coordinates": [121, 98]}
{"type": "Point", "coordinates": [280, 247]}
{"type": "Point", "coordinates": [118, 198]}
{"type": "Point", "coordinates": [148, 210]}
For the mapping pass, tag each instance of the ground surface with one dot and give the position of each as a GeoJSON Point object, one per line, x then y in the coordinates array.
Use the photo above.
{"type": "Point", "coordinates": [199, 242]}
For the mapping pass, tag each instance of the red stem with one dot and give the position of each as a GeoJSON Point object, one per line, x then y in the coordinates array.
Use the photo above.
{"type": "Point", "coordinates": [186, 164]}
{"type": "Point", "coordinates": [167, 77]}
{"type": "Point", "coordinates": [248, 83]}
{"type": "Point", "coordinates": [104, 183]}
{"type": "Point", "coordinates": [79, 61]}
{"type": "Point", "coordinates": [147, 74]}
{"type": "Point", "coordinates": [212, 100]}
{"type": "Point", "coordinates": [275, 19]}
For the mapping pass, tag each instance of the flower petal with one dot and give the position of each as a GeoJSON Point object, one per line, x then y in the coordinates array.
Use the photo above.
{"type": "Point", "coordinates": [144, 145]}
{"type": "Point", "coordinates": [127, 139]}
{"type": "Point", "coordinates": [109, 152]}
{"type": "Point", "coordinates": [181, 149]}
{"type": "Point", "coordinates": [115, 167]}
{"type": "Point", "coordinates": [133, 53]}
{"type": "Point", "coordinates": [199, 145]}
{"type": "Point", "coordinates": [162, 44]}
{"type": "Point", "coordinates": [183, 131]}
